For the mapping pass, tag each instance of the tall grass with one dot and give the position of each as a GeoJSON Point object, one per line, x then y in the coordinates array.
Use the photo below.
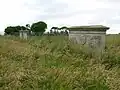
{"type": "Point", "coordinates": [54, 63]}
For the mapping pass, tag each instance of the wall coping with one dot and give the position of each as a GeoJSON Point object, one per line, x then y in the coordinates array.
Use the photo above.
{"type": "Point", "coordinates": [89, 28]}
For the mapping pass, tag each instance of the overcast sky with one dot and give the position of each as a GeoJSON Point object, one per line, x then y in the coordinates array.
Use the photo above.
{"type": "Point", "coordinates": [61, 13]}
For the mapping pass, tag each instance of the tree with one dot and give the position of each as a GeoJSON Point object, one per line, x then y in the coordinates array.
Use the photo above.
{"type": "Point", "coordinates": [9, 30]}
{"type": "Point", "coordinates": [54, 30]}
{"type": "Point", "coordinates": [13, 30]}
{"type": "Point", "coordinates": [39, 27]}
{"type": "Point", "coordinates": [64, 27]}
{"type": "Point", "coordinates": [64, 30]}
{"type": "Point", "coordinates": [28, 26]}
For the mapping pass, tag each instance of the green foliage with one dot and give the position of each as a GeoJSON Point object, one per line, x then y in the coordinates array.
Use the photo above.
{"type": "Point", "coordinates": [54, 28]}
{"type": "Point", "coordinates": [13, 30]}
{"type": "Point", "coordinates": [39, 27]}
{"type": "Point", "coordinates": [54, 63]}
{"type": "Point", "coordinates": [28, 26]}
{"type": "Point", "coordinates": [64, 27]}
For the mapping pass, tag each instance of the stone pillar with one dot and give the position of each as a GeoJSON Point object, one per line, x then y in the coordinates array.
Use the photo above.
{"type": "Point", "coordinates": [21, 33]}
{"type": "Point", "coordinates": [93, 36]}
{"type": "Point", "coordinates": [24, 34]}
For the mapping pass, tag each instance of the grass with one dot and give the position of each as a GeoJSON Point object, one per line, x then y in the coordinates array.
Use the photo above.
{"type": "Point", "coordinates": [53, 63]}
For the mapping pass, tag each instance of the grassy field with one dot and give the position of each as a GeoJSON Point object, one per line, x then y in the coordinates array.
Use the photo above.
{"type": "Point", "coordinates": [53, 63]}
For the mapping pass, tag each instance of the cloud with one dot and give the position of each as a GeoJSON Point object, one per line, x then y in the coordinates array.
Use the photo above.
{"type": "Point", "coordinates": [61, 12]}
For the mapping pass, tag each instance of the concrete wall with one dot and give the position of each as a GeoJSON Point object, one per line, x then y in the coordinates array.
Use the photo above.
{"type": "Point", "coordinates": [94, 39]}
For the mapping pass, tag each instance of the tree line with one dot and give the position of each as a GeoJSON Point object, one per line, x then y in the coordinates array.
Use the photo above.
{"type": "Point", "coordinates": [37, 28]}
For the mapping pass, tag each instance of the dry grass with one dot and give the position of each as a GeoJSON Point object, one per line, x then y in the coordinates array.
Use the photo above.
{"type": "Point", "coordinates": [53, 63]}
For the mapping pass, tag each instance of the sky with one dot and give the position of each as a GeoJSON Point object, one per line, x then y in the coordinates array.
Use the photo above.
{"type": "Point", "coordinates": [61, 13]}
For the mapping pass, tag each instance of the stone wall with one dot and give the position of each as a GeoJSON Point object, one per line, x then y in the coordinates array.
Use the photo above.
{"type": "Point", "coordinates": [92, 38]}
